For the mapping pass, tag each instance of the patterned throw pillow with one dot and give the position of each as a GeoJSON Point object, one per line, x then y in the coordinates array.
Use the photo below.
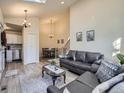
{"type": "Point", "coordinates": [107, 70]}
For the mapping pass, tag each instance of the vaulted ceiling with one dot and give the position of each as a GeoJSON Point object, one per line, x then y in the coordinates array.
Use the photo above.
{"type": "Point", "coordinates": [15, 8]}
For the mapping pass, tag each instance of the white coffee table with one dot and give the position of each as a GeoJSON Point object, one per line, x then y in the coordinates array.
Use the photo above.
{"type": "Point", "coordinates": [54, 72]}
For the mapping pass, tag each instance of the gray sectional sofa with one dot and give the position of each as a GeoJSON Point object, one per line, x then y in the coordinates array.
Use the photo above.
{"type": "Point", "coordinates": [84, 84]}
{"type": "Point", "coordinates": [89, 81]}
{"type": "Point", "coordinates": [81, 61]}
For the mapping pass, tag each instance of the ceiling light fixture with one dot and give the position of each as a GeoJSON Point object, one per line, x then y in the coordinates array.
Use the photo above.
{"type": "Point", "coordinates": [37, 1]}
{"type": "Point", "coordinates": [62, 2]}
{"type": "Point", "coordinates": [25, 23]}
{"type": "Point", "coordinates": [51, 34]}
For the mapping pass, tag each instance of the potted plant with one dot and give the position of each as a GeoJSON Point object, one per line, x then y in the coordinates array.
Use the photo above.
{"type": "Point", "coordinates": [53, 62]}
{"type": "Point", "coordinates": [121, 58]}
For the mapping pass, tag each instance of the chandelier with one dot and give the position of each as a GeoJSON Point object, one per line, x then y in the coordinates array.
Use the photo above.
{"type": "Point", "coordinates": [51, 34]}
{"type": "Point", "coordinates": [25, 23]}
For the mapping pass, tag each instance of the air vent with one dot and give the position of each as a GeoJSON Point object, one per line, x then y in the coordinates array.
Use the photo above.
{"type": "Point", "coordinates": [36, 1]}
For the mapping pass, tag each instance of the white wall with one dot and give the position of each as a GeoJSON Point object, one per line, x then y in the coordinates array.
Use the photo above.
{"type": "Point", "coordinates": [1, 16]}
{"type": "Point", "coordinates": [33, 30]}
{"type": "Point", "coordinates": [106, 17]}
{"type": "Point", "coordinates": [60, 30]}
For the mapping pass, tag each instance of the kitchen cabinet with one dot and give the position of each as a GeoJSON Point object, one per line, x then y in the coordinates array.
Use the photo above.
{"type": "Point", "coordinates": [14, 39]}
{"type": "Point", "coordinates": [16, 55]}
{"type": "Point", "coordinates": [2, 60]}
{"type": "Point", "coordinates": [9, 55]}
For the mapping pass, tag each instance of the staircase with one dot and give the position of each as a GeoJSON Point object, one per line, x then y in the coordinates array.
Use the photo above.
{"type": "Point", "coordinates": [65, 48]}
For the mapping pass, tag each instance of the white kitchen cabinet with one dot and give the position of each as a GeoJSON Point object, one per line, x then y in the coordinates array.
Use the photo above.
{"type": "Point", "coordinates": [16, 54]}
{"type": "Point", "coordinates": [2, 60]}
{"type": "Point", "coordinates": [14, 39]}
{"type": "Point", "coordinates": [9, 38]}
{"type": "Point", "coordinates": [9, 55]}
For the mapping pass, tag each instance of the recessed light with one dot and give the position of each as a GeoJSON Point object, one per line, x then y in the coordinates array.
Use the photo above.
{"type": "Point", "coordinates": [62, 2]}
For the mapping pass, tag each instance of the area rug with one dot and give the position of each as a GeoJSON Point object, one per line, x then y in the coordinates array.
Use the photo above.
{"type": "Point", "coordinates": [10, 73]}
{"type": "Point", "coordinates": [31, 81]}
{"type": "Point", "coordinates": [37, 85]}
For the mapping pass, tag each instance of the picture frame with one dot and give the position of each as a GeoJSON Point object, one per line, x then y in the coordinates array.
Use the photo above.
{"type": "Point", "coordinates": [62, 41]}
{"type": "Point", "coordinates": [79, 36]}
{"type": "Point", "coordinates": [90, 35]}
{"type": "Point", "coordinates": [58, 41]}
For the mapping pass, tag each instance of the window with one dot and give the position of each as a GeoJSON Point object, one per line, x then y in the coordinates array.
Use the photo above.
{"type": "Point", "coordinates": [117, 46]}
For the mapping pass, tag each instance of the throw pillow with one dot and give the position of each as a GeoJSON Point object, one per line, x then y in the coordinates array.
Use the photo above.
{"type": "Point", "coordinates": [66, 90]}
{"type": "Point", "coordinates": [107, 70]}
{"type": "Point", "coordinates": [105, 86]}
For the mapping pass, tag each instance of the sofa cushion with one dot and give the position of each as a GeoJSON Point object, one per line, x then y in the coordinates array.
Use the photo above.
{"type": "Point", "coordinates": [67, 61]}
{"type": "Point", "coordinates": [91, 57]}
{"type": "Point", "coordinates": [71, 55]}
{"type": "Point", "coordinates": [118, 88]}
{"type": "Point", "coordinates": [77, 87]}
{"type": "Point", "coordinates": [62, 60]}
{"type": "Point", "coordinates": [107, 70]}
{"type": "Point", "coordinates": [80, 56]}
{"type": "Point", "coordinates": [77, 65]}
{"type": "Point", "coordinates": [89, 79]}
{"type": "Point", "coordinates": [83, 66]}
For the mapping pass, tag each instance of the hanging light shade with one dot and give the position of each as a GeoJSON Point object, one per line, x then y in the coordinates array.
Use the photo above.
{"type": "Point", "coordinates": [51, 35]}
{"type": "Point", "coordinates": [25, 23]}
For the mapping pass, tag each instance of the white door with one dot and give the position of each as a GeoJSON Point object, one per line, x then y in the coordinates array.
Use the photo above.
{"type": "Point", "coordinates": [30, 48]}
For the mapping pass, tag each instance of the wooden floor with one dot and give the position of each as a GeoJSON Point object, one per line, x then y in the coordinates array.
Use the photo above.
{"type": "Point", "coordinates": [12, 84]}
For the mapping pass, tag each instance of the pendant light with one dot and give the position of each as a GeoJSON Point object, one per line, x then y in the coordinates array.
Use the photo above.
{"type": "Point", "coordinates": [25, 23]}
